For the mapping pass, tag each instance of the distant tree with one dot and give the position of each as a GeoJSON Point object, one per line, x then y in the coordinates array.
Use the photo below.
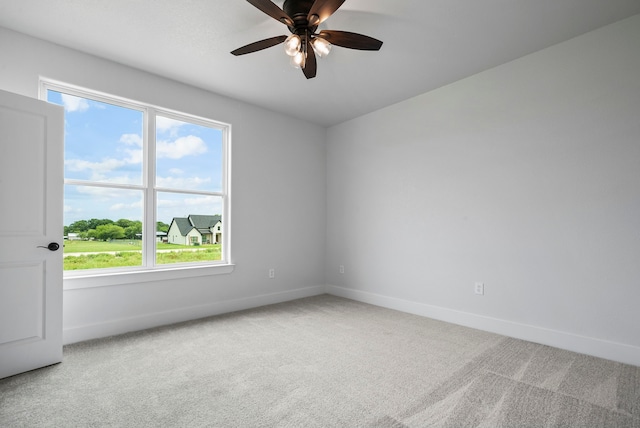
{"type": "Point", "coordinates": [162, 227]}
{"type": "Point", "coordinates": [133, 229]}
{"type": "Point", "coordinates": [66, 231]}
{"type": "Point", "coordinates": [105, 232]}
{"type": "Point", "coordinates": [79, 226]}
{"type": "Point", "coordinates": [89, 234]}
{"type": "Point", "coordinates": [124, 223]}
{"type": "Point", "coordinates": [94, 222]}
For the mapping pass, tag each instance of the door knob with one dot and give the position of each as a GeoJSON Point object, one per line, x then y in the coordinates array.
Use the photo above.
{"type": "Point", "coordinates": [53, 246]}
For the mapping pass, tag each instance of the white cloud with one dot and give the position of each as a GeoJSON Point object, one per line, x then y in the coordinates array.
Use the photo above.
{"type": "Point", "coordinates": [99, 169]}
{"type": "Point", "coordinates": [167, 203]}
{"type": "Point", "coordinates": [194, 201]}
{"type": "Point", "coordinates": [72, 103]}
{"type": "Point", "coordinates": [71, 211]}
{"type": "Point", "coordinates": [131, 139]}
{"type": "Point", "coordinates": [106, 165]}
{"type": "Point", "coordinates": [101, 202]}
{"type": "Point", "coordinates": [183, 206]}
{"type": "Point", "coordinates": [103, 193]}
{"type": "Point", "coordinates": [164, 124]}
{"type": "Point", "coordinates": [183, 146]}
{"type": "Point", "coordinates": [118, 207]}
{"type": "Point", "coordinates": [207, 201]}
{"type": "Point", "coordinates": [135, 157]}
{"type": "Point", "coordinates": [126, 207]}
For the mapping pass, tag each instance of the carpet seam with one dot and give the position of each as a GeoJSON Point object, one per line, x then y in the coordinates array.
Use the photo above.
{"type": "Point", "coordinates": [618, 411]}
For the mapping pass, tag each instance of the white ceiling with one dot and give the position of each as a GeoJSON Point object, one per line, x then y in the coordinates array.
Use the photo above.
{"type": "Point", "coordinates": [427, 44]}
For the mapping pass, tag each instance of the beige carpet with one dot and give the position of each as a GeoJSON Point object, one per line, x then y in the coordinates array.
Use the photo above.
{"type": "Point", "coordinates": [321, 362]}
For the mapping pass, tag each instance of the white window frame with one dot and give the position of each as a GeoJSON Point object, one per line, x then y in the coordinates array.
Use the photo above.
{"type": "Point", "coordinates": [149, 271]}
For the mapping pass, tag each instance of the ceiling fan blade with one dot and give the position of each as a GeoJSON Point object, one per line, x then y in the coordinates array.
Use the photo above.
{"type": "Point", "coordinates": [323, 9]}
{"type": "Point", "coordinates": [350, 40]}
{"type": "Point", "coordinates": [273, 11]}
{"type": "Point", "coordinates": [310, 65]}
{"type": "Point", "coordinates": [258, 46]}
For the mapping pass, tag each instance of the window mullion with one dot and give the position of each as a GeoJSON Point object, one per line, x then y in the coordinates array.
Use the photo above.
{"type": "Point", "coordinates": [109, 185]}
{"type": "Point", "coordinates": [189, 192]}
{"type": "Point", "coordinates": [149, 168]}
{"type": "Point", "coordinates": [226, 202]}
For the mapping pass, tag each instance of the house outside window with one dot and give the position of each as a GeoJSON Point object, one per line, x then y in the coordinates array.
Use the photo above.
{"type": "Point", "coordinates": [131, 169]}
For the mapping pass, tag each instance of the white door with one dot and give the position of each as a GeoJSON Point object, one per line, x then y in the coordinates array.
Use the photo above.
{"type": "Point", "coordinates": [31, 198]}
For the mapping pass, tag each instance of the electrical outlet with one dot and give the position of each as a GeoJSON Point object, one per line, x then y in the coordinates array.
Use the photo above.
{"type": "Point", "coordinates": [479, 288]}
{"type": "Point", "coordinates": [341, 268]}
{"type": "Point", "coordinates": [272, 273]}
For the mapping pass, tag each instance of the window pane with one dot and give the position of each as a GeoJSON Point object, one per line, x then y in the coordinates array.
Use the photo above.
{"type": "Point", "coordinates": [194, 233]}
{"type": "Point", "coordinates": [188, 156]}
{"type": "Point", "coordinates": [103, 142]}
{"type": "Point", "coordinates": [103, 227]}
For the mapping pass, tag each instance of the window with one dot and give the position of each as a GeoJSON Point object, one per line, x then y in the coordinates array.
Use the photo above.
{"type": "Point", "coordinates": [145, 188]}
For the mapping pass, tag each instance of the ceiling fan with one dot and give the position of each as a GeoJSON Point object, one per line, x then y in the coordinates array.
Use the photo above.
{"type": "Point", "coordinates": [303, 17]}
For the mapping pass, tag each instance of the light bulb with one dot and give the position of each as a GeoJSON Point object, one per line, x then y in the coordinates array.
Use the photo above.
{"type": "Point", "coordinates": [298, 60]}
{"type": "Point", "coordinates": [292, 44]}
{"type": "Point", "coordinates": [321, 46]}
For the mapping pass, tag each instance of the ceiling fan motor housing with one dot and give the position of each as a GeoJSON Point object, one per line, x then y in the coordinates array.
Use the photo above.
{"type": "Point", "coordinates": [298, 10]}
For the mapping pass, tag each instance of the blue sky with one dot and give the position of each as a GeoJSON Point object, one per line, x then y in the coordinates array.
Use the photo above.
{"type": "Point", "coordinates": [104, 144]}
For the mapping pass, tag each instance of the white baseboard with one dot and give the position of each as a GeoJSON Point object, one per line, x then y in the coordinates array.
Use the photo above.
{"type": "Point", "coordinates": [142, 322]}
{"type": "Point", "coordinates": [619, 352]}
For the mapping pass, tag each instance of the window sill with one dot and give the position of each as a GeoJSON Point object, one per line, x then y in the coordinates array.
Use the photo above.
{"type": "Point", "coordinates": [106, 279]}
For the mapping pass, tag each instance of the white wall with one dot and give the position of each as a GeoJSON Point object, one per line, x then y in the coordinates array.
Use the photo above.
{"type": "Point", "coordinates": [525, 177]}
{"type": "Point", "coordinates": [267, 153]}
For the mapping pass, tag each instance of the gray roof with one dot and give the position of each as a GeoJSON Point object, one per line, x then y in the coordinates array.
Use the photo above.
{"type": "Point", "coordinates": [204, 221]}
{"type": "Point", "coordinates": [184, 225]}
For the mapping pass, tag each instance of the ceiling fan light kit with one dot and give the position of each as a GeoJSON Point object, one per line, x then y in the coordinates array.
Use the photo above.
{"type": "Point", "coordinates": [321, 46]}
{"type": "Point", "coordinates": [302, 17]}
{"type": "Point", "coordinates": [292, 45]}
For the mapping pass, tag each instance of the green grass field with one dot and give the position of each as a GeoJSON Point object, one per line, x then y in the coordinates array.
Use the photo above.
{"type": "Point", "coordinates": [128, 253]}
{"type": "Point", "coordinates": [121, 245]}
